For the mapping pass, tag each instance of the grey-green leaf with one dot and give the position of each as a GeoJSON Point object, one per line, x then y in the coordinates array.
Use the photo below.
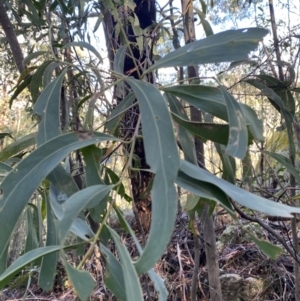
{"type": "Point", "coordinates": [82, 281]}
{"type": "Point", "coordinates": [226, 46]}
{"type": "Point", "coordinates": [163, 158]}
{"type": "Point", "coordinates": [239, 195]}
{"type": "Point", "coordinates": [238, 134]}
{"type": "Point", "coordinates": [17, 146]}
{"type": "Point", "coordinates": [31, 171]}
{"type": "Point", "coordinates": [131, 280]}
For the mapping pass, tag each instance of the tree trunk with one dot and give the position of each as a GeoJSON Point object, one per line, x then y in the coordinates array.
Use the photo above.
{"type": "Point", "coordinates": [145, 11]}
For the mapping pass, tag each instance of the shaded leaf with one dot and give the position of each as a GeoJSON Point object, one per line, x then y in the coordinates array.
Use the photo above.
{"type": "Point", "coordinates": [269, 249]}
{"type": "Point", "coordinates": [30, 172]}
{"type": "Point", "coordinates": [114, 279]}
{"type": "Point", "coordinates": [186, 140]}
{"type": "Point", "coordinates": [206, 131]}
{"type": "Point", "coordinates": [24, 260]}
{"type": "Point", "coordinates": [84, 45]}
{"type": "Point", "coordinates": [17, 146]}
{"type": "Point", "coordinates": [238, 134]}
{"type": "Point", "coordinates": [162, 156]}
{"type": "Point", "coordinates": [82, 281]}
{"type": "Point", "coordinates": [86, 198]}
{"type": "Point", "coordinates": [131, 280]}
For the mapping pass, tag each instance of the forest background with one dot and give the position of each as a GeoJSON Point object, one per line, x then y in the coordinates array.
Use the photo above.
{"type": "Point", "coordinates": [125, 163]}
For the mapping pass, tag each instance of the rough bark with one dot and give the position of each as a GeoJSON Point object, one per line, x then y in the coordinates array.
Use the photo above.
{"type": "Point", "coordinates": [145, 11]}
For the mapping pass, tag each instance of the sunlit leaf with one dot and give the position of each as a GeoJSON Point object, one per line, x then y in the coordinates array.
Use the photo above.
{"type": "Point", "coordinates": [226, 46]}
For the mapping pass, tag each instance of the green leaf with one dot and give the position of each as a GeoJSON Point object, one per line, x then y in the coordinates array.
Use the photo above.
{"type": "Point", "coordinates": [119, 59]}
{"type": "Point", "coordinates": [48, 73]}
{"type": "Point", "coordinates": [82, 281]}
{"type": "Point", "coordinates": [84, 45]}
{"type": "Point", "coordinates": [37, 80]}
{"type": "Point", "coordinates": [17, 146]}
{"type": "Point", "coordinates": [30, 172]}
{"type": "Point", "coordinates": [286, 162]}
{"type": "Point", "coordinates": [238, 134]}
{"type": "Point", "coordinates": [20, 88]}
{"type": "Point", "coordinates": [86, 198]}
{"type": "Point", "coordinates": [24, 260]}
{"type": "Point", "coordinates": [48, 107]}
{"type": "Point", "coordinates": [158, 282]}
{"type": "Point", "coordinates": [162, 156]}
{"type": "Point", "coordinates": [206, 131]}
{"type": "Point", "coordinates": [211, 100]}
{"type": "Point", "coordinates": [186, 140]}
{"type": "Point", "coordinates": [49, 262]}
{"type": "Point", "coordinates": [117, 114]}
{"type": "Point", "coordinates": [239, 195]}
{"type": "Point", "coordinates": [131, 280]}
{"type": "Point", "coordinates": [205, 24]}
{"type": "Point", "coordinates": [228, 164]}
{"type": "Point", "coordinates": [34, 55]}
{"type": "Point", "coordinates": [31, 238]}
{"type": "Point", "coordinates": [204, 190]}
{"type": "Point", "coordinates": [4, 167]}
{"type": "Point", "coordinates": [226, 46]}
{"type": "Point", "coordinates": [3, 135]}
{"type": "Point", "coordinates": [114, 279]}
{"type": "Point", "coordinates": [277, 102]}
{"type": "Point", "coordinates": [269, 249]}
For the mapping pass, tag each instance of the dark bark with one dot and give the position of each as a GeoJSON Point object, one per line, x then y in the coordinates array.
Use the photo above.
{"type": "Point", "coordinates": [146, 12]}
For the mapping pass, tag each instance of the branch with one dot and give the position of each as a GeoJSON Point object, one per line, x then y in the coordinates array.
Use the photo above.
{"type": "Point", "coordinates": [11, 38]}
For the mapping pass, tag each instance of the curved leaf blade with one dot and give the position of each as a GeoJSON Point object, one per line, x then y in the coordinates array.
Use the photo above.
{"type": "Point", "coordinates": [131, 280]}
{"type": "Point", "coordinates": [239, 195]}
{"type": "Point", "coordinates": [226, 46]}
{"type": "Point", "coordinates": [163, 158]}
{"type": "Point", "coordinates": [30, 172]}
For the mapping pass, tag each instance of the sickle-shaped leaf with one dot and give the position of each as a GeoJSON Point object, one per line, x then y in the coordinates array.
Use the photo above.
{"type": "Point", "coordinates": [24, 260]}
{"type": "Point", "coordinates": [239, 195]}
{"type": "Point", "coordinates": [131, 280]}
{"type": "Point", "coordinates": [226, 46]}
{"type": "Point", "coordinates": [31, 171]}
{"type": "Point", "coordinates": [86, 198]}
{"type": "Point", "coordinates": [206, 131]}
{"type": "Point", "coordinates": [17, 146]}
{"type": "Point", "coordinates": [85, 45]}
{"type": "Point", "coordinates": [158, 282]}
{"type": "Point", "coordinates": [238, 134]}
{"type": "Point", "coordinates": [211, 100]}
{"type": "Point", "coordinates": [162, 156]}
{"type": "Point", "coordinates": [186, 140]}
{"type": "Point", "coordinates": [49, 262]}
{"type": "Point", "coordinates": [48, 107]}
